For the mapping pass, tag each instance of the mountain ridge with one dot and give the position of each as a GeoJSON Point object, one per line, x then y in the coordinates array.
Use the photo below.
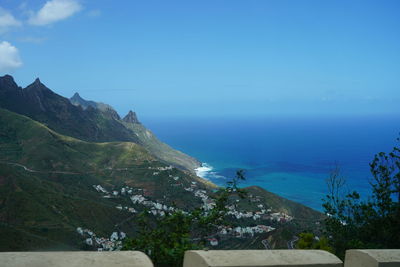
{"type": "Point", "coordinates": [86, 120]}
{"type": "Point", "coordinates": [77, 100]}
{"type": "Point", "coordinates": [40, 103]}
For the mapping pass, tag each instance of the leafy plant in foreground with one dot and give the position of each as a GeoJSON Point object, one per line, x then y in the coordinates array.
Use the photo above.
{"type": "Point", "coordinates": [309, 241]}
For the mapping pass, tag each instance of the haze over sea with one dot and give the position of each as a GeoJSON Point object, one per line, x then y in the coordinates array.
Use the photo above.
{"type": "Point", "coordinates": [291, 157]}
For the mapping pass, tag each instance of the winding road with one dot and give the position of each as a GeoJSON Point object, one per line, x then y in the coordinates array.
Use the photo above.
{"type": "Point", "coordinates": [30, 170]}
{"type": "Point", "coordinates": [66, 172]}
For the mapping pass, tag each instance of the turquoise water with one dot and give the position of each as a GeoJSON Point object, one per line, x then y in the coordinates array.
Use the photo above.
{"type": "Point", "coordinates": [291, 157]}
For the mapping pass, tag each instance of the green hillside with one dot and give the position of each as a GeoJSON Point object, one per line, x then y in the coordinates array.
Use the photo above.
{"type": "Point", "coordinates": [44, 204]}
{"type": "Point", "coordinates": [48, 189]}
{"type": "Point", "coordinates": [161, 150]}
{"type": "Point", "coordinates": [30, 142]}
{"type": "Point", "coordinates": [143, 135]}
{"type": "Point", "coordinates": [44, 211]}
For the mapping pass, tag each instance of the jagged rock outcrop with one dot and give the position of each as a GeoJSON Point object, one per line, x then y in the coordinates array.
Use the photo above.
{"type": "Point", "coordinates": [131, 117]}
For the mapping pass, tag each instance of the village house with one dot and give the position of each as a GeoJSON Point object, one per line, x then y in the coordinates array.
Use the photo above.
{"type": "Point", "coordinates": [213, 241]}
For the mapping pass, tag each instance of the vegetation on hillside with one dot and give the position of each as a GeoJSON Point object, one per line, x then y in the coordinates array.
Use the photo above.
{"type": "Point", "coordinates": [26, 141]}
{"type": "Point", "coordinates": [43, 204]}
{"type": "Point", "coordinates": [47, 191]}
{"type": "Point", "coordinates": [161, 150]}
{"type": "Point", "coordinates": [373, 223]}
{"type": "Point", "coordinates": [165, 239]}
{"type": "Point", "coordinates": [310, 241]}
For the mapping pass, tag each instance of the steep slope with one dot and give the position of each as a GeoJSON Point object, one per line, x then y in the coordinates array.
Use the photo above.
{"type": "Point", "coordinates": [82, 119]}
{"type": "Point", "coordinates": [30, 145]}
{"type": "Point", "coordinates": [40, 103]}
{"type": "Point", "coordinates": [42, 148]}
{"type": "Point", "coordinates": [145, 137]}
{"type": "Point", "coordinates": [41, 212]}
{"type": "Point", "coordinates": [161, 150]}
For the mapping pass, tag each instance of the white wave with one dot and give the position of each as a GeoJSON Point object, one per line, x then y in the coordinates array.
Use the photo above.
{"type": "Point", "coordinates": [205, 172]}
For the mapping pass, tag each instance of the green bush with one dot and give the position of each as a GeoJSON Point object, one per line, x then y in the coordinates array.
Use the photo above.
{"type": "Point", "coordinates": [309, 241]}
{"type": "Point", "coordinates": [373, 223]}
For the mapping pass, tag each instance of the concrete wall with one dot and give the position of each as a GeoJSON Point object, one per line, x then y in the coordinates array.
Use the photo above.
{"type": "Point", "coordinates": [202, 258]}
{"type": "Point", "coordinates": [259, 258]}
{"type": "Point", "coordinates": [372, 258]}
{"type": "Point", "coordinates": [75, 259]}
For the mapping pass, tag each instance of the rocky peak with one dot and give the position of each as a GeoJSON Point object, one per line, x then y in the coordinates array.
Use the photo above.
{"type": "Point", "coordinates": [7, 83]}
{"type": "Point", "coordinates": [37, 85]}
{"type": "Point", "coordinates": [76, 96]}
{"type": "Point", "coordinates": [131, 117]}
{"type": "Point", "coordinates": [76, 99]}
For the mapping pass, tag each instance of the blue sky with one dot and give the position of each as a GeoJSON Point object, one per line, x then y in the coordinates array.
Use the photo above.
{"type": "Point", "coordinates": [210, 58]}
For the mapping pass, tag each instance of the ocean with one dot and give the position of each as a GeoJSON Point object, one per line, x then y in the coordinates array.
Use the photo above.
{"type": "Point", "coordinates": [291, 157]}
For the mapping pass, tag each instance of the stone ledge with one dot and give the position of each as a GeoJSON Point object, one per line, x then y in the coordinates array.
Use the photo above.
{"type": "Point", "coordinates": [372, 258]}
{"type": "Point", "coordinates": [75, 259]}
{"type": "Point", "coordinates": [260, 258]}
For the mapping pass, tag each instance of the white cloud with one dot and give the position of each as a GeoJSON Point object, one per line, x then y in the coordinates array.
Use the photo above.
{"type": "Point", "coordinates": [7, 21]}
{"type": "Point", "coordinates": [9, 57]}
{"type": "Point", "coordinates": [55, 10]}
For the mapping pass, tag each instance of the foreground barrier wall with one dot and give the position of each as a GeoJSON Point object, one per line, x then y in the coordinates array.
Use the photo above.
{"type": "Point", "coordinates": [372, 258]}
{"type": "Point", "coordinates": [75, 259]}
{"type": "Point", "coordinates": [202, 258]}
{"type": "Point", "coordinates": [260, 258]}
